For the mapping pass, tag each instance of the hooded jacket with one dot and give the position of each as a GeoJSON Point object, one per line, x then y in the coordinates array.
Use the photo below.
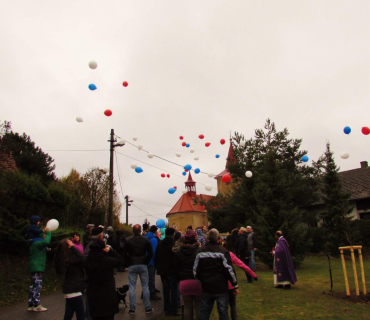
{"type": "Point", "coordinates": [101, 286]}
{"type": "Point", "coordinates": [33, 230]}
{"type": "Point", "coordinates": [38, 254]}
{"type": "Point", "coordinates": [154, 242]}
{"type": "Point", "coordinates": [184, 260]}
{"type": "Point", "coordinates": [165, 258]}
{"type": "Point", "coordinates": [75, 278]}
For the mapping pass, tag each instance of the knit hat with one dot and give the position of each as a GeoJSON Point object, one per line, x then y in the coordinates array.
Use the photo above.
{"type": "Point", "coordinates": [96, 231]}
{"type": "Point", "coordinates": [170, 231]}
{"type": "Point", "coordinates": [190, 237]}
{"type": "Point", "coordinates": [110, 229]}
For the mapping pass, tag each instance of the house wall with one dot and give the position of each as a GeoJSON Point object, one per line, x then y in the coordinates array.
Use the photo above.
{"type": "Point", "coordinates": [223, 188]}
{"type": "Point", "coordinates": [183, 220]}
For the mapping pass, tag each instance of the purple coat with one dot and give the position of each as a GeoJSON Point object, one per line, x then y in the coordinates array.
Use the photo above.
{"type": "Point", "coordinates": [284, 268]}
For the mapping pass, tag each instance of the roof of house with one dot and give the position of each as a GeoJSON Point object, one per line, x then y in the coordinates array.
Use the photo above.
{"type": "Point", "coordinates": [230, 159]}
{"type": "Point", "coordinates": [7, 162]}
{"type": "Point", "coordinates": [356, 182]}
{"type": "Point", "coordinates": [186, 204]}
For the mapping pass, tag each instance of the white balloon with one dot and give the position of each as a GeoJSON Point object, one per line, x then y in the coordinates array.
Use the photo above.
{"type": "Point", "coordinates": [133, 166]}
{"type": "Point", "coordinates": [211, 175]}
{"type": "Point", "coordinates": [249, 174]}
{"type": "Point", "coordinates": [106, 169]}
{"type": "Point", "coordinates": [178, 154]}
{"type": "Point", "coordinates": [134, 138]}
{"type": "Point", "coordinates": [196, 158]}
{"type": "Point", "coordinates": [208, 187]}
{"type": "Point", "coordinates": [79, 119]}
{"type": "Point", "coordinates": [122, 141]}
{"type": "Point", "coordinates": [139, 146]}
{"type": "Point", "coordinates": [93, 65]}
{"type": "Point", "coordinates": [184, 191]}
{"type": "Point", "coordinates": [191, 151]}
{"type": "Point", "coordinates": [150, 155]}
{"type": "Point", "coordinates": [52, 224]}
{"type": "Point", "coordinates": [344, 155]}
{"type": "Point", "coordinates": [242, 143]}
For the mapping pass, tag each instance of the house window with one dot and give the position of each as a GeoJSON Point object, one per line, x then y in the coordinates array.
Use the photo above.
{"type": "Point", "coordinates": [363, 204]}
{"type": "Point", "coordinates": [365, 215]}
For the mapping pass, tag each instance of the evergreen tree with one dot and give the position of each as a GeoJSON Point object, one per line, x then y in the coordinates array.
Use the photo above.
{"type": "Point", "coordinates": [273, 199]}
{"type": "Point", "coordinates": [336, 219]}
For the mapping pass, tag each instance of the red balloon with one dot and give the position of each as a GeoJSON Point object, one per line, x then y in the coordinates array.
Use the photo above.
{"type": "Point", "coordinates": [125, 83]}
{"type": "Point", "coordinates": [222, 141]}
{"type": "Point", "coordinates": [181, 137]}
{"type": "Point", "coordinates": [108, 112]}
{"type": "Point", "coordinates": [226, 178]}
{"type": "Point", "coordinates": [163, 175]}
{"type": "Point", "coordinates": [186, 170]}
{"type": "Point", "coordinates": [183, 144]}
{"type": "Point", "coordinates": [168, 175]}
{"type": "Point", "coordinates": [201, 136]}
{"type": "Point", "coordinates": [175, 188]}
{"type": "Point", "coordinates": [365, 130]}
{"type": "Point", "coordinates": [208, 144]}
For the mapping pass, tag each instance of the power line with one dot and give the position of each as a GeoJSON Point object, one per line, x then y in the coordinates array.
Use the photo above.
{"type": "Point", "coordinates": [148, 214]}
{"type": "Point", "coordinates": [78, 150]}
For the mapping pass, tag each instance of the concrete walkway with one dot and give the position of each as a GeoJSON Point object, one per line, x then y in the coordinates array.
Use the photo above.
{"type": "Point", "coordinates": [55, 303]}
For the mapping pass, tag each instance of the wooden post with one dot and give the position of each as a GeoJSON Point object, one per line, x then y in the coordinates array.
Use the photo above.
{"type": "Point", "coordinates": [345, 272]}
{"type": "Point", "coordinates": [364, 291]}
{"type": "Point", "coordinates": [355, 271]}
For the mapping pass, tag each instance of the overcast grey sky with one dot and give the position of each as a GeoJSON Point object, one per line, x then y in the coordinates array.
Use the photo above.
{"type": "Point", "coordinates": [193, 67]}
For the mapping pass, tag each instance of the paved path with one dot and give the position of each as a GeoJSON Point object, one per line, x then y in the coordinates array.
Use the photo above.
{"type": "Point", "coordinates": [55, 304]}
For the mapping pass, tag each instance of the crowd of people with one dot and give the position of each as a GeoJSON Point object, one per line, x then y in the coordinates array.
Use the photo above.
{"type": "Point", "coordinates": [196, 268]}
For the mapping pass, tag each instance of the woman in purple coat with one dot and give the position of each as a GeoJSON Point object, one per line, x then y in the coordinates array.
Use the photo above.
{"type": "Point", "coordinates": [284, 274]}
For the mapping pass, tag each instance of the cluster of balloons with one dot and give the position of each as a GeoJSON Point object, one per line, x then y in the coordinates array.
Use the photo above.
{"type": "Point", "coordinates": [163, 175]}
{"type": "Point", "coordinates": [137, 169]}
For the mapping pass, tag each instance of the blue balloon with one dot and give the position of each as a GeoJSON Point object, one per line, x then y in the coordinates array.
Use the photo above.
{"type": "Point", "coordinates": [305, 158]}
{"type": "Point", "coordinates": [160, 223]}
{"type": "Point", "coordinates": [187, 167]}
{"type": "Point", "coordinates": [217, 156]}
{"type": "Point", "coordinates": [92, 87]}
{"type": "Point", "coordinates": [197, 170]}
{"type": "Point", "coordinates": [171, 191]}
{"type": "Point", "coordinates": [347, 130]}
{"type": "Point", "coordinates": [187, 145]}
{"type": "Point", "coordinates": [138, 169]}
{"type": "Point", "coordinates": [184, 173]}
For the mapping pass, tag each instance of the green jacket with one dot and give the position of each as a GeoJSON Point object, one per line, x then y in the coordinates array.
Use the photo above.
{"type": "Point", "coordinates": [38, 254]}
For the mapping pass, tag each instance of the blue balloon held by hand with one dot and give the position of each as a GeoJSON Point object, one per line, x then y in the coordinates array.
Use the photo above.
{"type": "Point", "coordinates": [171, 191]}
{"type": "Point", "coordinates": [197, 170]}
{"type": "Point", "coordinates": [160, 223]}
{"type": "Point", "coordinates": [187, 167]}
{"type": "Point", "coordinates": [184, 173]}
{"type": "Point", "coordinates": [347, 130]}
{"type": "Point", "coordinates": [305, 159]}
{"type": "Point", "coordinates": [138, 169]}
{"type": "Point", "coordinates": [92, 87]}
{"type": "Point", "coordinates": [217, 156]}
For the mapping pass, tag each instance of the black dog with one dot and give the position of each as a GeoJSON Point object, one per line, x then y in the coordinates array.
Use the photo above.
{"type": "Point", "coordinates": [121, 294]}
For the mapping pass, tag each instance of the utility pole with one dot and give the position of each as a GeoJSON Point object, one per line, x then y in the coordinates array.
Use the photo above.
{"type": "Point", "coordinates": [111, 151]}
{"type": "Point", "coordinates": [128, 204]}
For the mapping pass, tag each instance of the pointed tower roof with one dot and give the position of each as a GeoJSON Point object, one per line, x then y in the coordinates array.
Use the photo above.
{"type": "Point", "coordinates": [230, 160]}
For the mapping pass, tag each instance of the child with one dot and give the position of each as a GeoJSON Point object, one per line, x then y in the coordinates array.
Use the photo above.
{"type": "Point", "coordinates": [33, 232]}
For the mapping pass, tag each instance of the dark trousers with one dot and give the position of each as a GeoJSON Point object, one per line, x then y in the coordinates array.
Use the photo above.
{"type": "Point", "coordinates": [73, 305]}
{"type": "Point", "coordinates": [151, 272]}
{"type": "Point", "coordinates": [208, 300]}
{"type": "Point", "coordinates": [232, 304]}
{"type": "Point", "coordinates": [246, 262]}
{"type": "Point", "coordinates": [104, 318]}
{"type": "Point", "coordinates": [170, 294]}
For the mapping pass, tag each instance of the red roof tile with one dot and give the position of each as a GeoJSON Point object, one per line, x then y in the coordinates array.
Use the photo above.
{"type": "Point", "coordinates": [186, 204]}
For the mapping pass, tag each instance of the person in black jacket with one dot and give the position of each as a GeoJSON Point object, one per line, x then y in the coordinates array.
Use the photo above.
{"type": "Point", "coordinates": [213, 267]}
{"type": "Point", "coordinates": [87, 235]}
{"type": "Point", "coordinates": [120, 243]}
{"type": "Point", "coordinates": [101, 286]}
{"type": "Point", "coordinates": [139, 252]}
{"type": "Point", "coordinates": [68, 262]}
{"type": "Point", "coordinates": [191, 289]}
{"type": "Point", "coordinates": [165, 265]}
{"type": "Point", "coordinates": [242, 250]}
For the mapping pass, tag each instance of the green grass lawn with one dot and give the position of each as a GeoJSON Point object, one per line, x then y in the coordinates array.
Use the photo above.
{"type": "Point", "coordinates": [260, 300]}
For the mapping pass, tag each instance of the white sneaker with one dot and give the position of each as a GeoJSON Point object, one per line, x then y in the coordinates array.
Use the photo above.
{"type": "Point", "coordinates": [40, 308]}
{"type": "Point", "coordinates": [30, 309]}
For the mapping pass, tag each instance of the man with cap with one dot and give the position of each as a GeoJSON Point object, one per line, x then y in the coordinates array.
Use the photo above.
{"type": "Point", "coordinates": [87, 235]}
{"type": "Point", "coordinates": [139, 252]}
{"type": "Point", "coordinates": [151, 235]}
{"type": "Point", "coordinates": [242, 250]}
{"type": "Point", "coordinates": [165, 265]}
{"type": "Point", "coordinates": [101, 287]}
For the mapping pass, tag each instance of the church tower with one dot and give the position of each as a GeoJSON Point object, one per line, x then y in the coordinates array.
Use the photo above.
{"type": "Point", "coordinates": [190, 186]}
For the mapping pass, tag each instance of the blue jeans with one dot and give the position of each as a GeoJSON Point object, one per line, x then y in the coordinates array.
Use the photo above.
{"type": "Point", "coordinates": [208, 300]}
{"type": "Point", "coordinates": [151, 272]}
{"type": "Point", "coordinates": [73, 305]}
{"type": "Point", "coordinates": [170, 294]}
{"type": "Point", "coordinates": [252, 263]}
{"type": "Point", "coordinates": [140, 270]}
